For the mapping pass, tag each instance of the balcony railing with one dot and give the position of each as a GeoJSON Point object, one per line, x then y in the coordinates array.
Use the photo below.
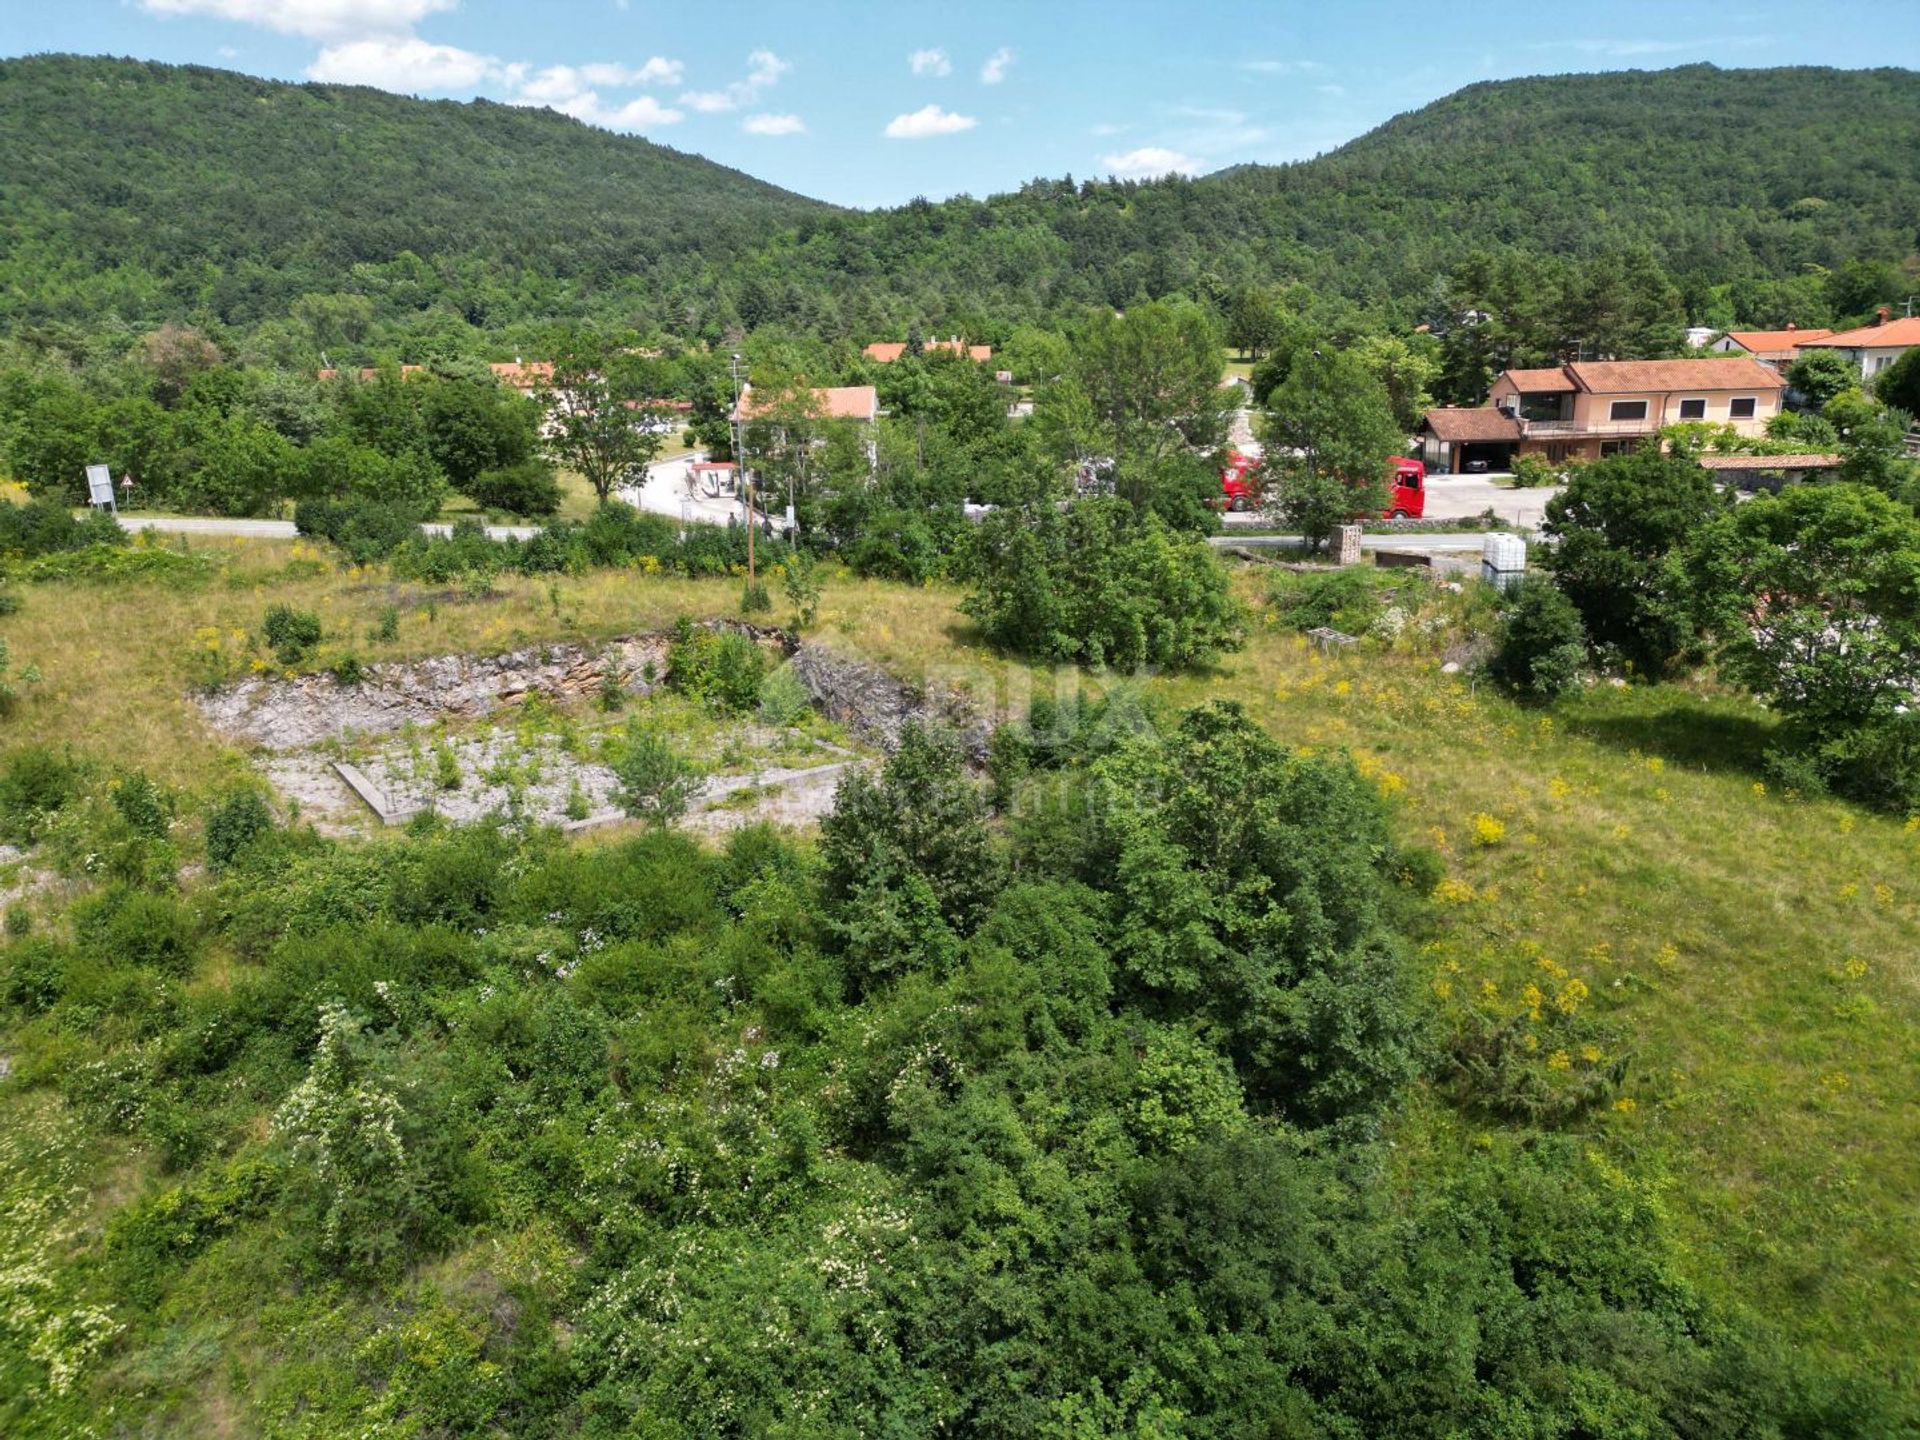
{"type": "Point", "coordinates": [1549, 429]}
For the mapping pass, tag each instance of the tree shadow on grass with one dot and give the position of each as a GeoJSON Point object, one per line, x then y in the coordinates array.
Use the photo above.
{"type": "Point", "coordinates": [1683, 733]}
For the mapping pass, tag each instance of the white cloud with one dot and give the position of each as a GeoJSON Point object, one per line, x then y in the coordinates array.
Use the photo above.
{"type": "Point", "coordinates": [773, 125]}
{"type": "Point", "coordinates": [928, 120]}
{"type": "Point", "coordinates": [403, 63]}
{"type": "Point", "coordinates": [995, 70]}
{"type": "Point", "coordinates": [1104, 130]}
{"type": "Point", "coordinates": [764, 69]}
{"type": "Point", "coordinates": [321, 19]}
{"type": "Point", "coordinates": [641, 114]}
{"type": "Point", "coordinates": [228, 52]}
{"type": "Point", "coordinates": [657, 71]}
{"type": "Point", "coordinates": [930, 62]}
{"type": "Point", "coordinates": [1148, 162]}
{"type": "Point", "coordinates": [1280, 67]}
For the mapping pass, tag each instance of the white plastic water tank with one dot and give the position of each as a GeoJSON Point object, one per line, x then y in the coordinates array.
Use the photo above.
{"type": "Point", "coordinates": [1503, 559]}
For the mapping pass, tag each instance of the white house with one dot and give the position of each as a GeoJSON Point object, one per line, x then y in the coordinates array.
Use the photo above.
{"type": "Point", "coordinates": [1872, 347]}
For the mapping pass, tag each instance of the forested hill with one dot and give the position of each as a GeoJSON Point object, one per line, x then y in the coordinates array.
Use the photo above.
{"type": "Point", "coordinates": [1706, 175]}
{"type": "Point", "coordinates": [133, 188]}
{"type": "Point", "coordinates": [135, 193]}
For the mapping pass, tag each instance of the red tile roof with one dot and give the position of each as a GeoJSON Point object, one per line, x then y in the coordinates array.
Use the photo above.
{"type": "Point", "coordinates": [1634, 377]}
{"type": "Point", "coordinates": [1534, 382]}
{"type": "Point", "coordinates": [1893, 334]}
{"type": "Point", "coordinates": [888, 351]}
{"type": "Point", "coordinates": [1775, 344]}
{"type": "Point", "coordinates": [837, 402]}
{"type": "Point", "coordinates": [1482, 423]}
{"type": "Point", "coordinates": [526, 376]}
{"type": "Point", "coordinates": [367, 372]}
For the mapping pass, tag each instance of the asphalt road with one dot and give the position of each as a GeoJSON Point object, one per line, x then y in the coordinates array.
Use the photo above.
{"type": "Point", "coordinates": [1461, 497]}
{"type": "Point", "coordinates": [277, 529]}
{"type": "Point", "coordinates": [1397, 544]}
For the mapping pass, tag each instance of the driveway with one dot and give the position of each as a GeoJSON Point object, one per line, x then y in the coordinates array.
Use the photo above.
{"type": "Point", "coordinates": [665, 493]}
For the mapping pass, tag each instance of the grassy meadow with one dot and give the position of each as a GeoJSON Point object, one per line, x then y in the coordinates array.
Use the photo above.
{"type": "Point", "coordinates": [1756, 954]}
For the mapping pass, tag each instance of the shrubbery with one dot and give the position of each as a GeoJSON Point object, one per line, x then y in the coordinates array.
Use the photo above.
{"type": "Point", "coordinates": [1127, 1061]}
{"type": "Point", "coordinates": [44, 526]}
{"type": "Point", "coordinates": [1101, 584]}
{"type": "Point", "coordinates": [720, 666]}
{"type": "Point", "coordinates": [1542, 647]}
{"type": "Point", "coordinates": [291, 633]}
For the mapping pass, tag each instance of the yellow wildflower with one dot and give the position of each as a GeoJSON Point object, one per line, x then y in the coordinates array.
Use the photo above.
{"type": "Point", "coordinates": [1559, 1060]}
{"type": "Point", "coordinates": [1487, 830]}
{"type": "Point", "coordinates": [1625, 1105]}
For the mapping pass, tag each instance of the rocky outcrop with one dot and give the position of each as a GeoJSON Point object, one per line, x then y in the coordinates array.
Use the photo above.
{"type": "Point", "coordinates": [874, 703]}
{"type": "Point", "coordinates": [303, 710]}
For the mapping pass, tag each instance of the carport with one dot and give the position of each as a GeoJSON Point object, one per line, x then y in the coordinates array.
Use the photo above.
{"type": "Point", "coordinates": [1452, 440]}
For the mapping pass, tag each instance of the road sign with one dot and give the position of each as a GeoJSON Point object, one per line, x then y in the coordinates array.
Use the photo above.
{"type": "Point", "coordinates": [99, 485]}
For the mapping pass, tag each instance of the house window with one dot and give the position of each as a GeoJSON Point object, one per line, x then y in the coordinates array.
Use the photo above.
{"type": "Point", "coordinates": [1740, 408]}
{"type": "Point", "coordinates": [1693, 409]}
{"type": "Point", "coordinates": [1628, 410]}
{"type": "Point", "coordinates": [1615, 447]}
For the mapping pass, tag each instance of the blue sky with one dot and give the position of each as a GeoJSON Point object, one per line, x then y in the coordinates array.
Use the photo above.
{"type": "Point", "coordinates": [872, 104]}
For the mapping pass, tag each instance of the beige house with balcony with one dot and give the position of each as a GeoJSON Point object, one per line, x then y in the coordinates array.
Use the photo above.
{"type": "Point", "coordinates": [1592, 408]}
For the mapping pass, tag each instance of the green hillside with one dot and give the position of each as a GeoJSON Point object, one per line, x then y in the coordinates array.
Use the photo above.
{"type": "Point", "coordinates": [137, 193]}
{"type": "Point", "coordinates": [142, 190]}
{"type": "Point", "coordinates": [1702, 175]}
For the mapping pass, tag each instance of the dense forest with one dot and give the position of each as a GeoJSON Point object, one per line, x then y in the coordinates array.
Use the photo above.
{"type": "Point", "coordinates": [138, 193]}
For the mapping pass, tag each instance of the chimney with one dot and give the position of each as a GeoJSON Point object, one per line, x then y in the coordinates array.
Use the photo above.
{"type": "Point", "coordinates": [1880, 315]}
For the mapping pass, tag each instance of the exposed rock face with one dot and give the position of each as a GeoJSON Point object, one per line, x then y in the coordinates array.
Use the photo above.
{"type": "Point", "coordinates": [874, 704]}
{"type": "Point", "coordinates": [289, 714]}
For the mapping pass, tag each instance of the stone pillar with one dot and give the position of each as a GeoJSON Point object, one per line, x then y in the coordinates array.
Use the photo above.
{"type": "Point", "coordinates": [1346, 545]}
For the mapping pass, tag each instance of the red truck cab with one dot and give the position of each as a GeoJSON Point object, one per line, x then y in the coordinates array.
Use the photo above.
{"type": "Point", "coordinates": [1236, 481]}
{"type": "Point", "coordinates": [1406, 489]}
{"type": "Point", "coordinates": [1406, 486]}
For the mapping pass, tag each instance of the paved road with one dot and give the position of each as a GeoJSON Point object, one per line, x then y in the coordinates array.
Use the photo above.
{"type": "Point", "coordinates": [1446, 544]}
{"type": "Point", "coordinates": [1460, 497]}
{"type": "Point", "coordinates": [278, 529]}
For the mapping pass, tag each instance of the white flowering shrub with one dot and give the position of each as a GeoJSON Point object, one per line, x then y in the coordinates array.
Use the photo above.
{"type": "Point", "coordinates": [342, 1130]}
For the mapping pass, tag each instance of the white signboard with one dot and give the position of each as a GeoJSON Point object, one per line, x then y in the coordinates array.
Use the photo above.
{"type": "Point", "coordinates": [99, 485]}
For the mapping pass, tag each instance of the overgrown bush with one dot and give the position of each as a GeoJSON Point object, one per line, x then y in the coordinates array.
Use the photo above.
{"type": "Point", "coordinates": [1542, 645]}
{"type": "Point", "coordinates": [292, 634]}
{"type": "Point", "coordinates": [1101, 584]}
{"type": "Point", "coordinates": [1532, 471]}
{"type": "Point", "coordinates": [365, 529]}
{"type": "Point", "coordinates": [1348, 599]}
{"type": "Point", "coordinates": [36, 781]}
{"type": "Point", "coordinates": [722, 667]}
{"type": "Point", "coordinates": [234, 824]}
{"type": "Point", "coordinates": [527, 488]}
{"type": "Point", "coordinates": [44, 526]}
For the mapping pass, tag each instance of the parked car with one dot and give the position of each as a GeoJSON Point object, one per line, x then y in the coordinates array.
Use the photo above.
{"type": "Point", "coordinates": [1406, 486]}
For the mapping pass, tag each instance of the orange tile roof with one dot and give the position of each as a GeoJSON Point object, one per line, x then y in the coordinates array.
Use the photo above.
{"type": "Point", "coordinates": [1481, 422]}
{"type": "Point", "coordinates": [367, 372]}
{"type": "Point", "coordinates": [1892, 334]}
{"type": "Point", "coordinates": [1533, 382]}
{"type": "Point", "coordinates": [837, 402]}
{"type": "Point", "coordinates": [1775, 342]}
{"type": "Point", "coordinates": [888, 351]}
{"type": "Point", "coordinates": [523, 376]}
{"type": "Point", "coordinates": [1623, 377]}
